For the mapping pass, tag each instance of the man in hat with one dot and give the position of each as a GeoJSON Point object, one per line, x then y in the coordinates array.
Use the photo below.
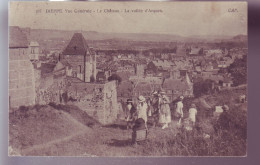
{"type": "Point", "coordinates": [142, 109]}
{"type": "Point", "coordinates": [130, 113]}
{"type": "Point", "coordinates": [179, 111]}
{"type": "Point", "coordinates": [192, 114]}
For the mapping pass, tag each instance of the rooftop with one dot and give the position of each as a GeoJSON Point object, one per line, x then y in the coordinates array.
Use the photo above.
{"type": "Point", "coordinates": [17, 39]}
{"type": "Point", "coordinates": [77, 45]}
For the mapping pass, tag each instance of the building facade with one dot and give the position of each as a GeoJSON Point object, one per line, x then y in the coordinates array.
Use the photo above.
{"type": "Point", "coordinates": [21, 72]}
{"type": "Point", "coordinates": [81, 58]}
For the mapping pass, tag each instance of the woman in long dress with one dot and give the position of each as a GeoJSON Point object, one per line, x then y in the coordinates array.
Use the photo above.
{"type": "Point", "coordinates": [142, 109]}
{"type": "Point", "coordinates": [130, 113]}
{"type": "Point", "coordinates": [165, 112]}
{"type": "Point", "coordinates": [155, 108]}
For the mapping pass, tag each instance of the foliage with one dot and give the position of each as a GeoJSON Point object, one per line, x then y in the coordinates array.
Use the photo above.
{"type": "Point", "coordinates": [238, 70]}
{"type": "Point", "coordinates": [201, 87]}
{"type": "Point", "coordinates": [115, 77]}
{"type": "Point", "coordinates": [228, 138]}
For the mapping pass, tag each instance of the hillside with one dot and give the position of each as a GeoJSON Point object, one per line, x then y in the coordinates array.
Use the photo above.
{"type": "Point", "coordinates": [47, 34]}
{"type": "Point", "coordinates": [65, 130]}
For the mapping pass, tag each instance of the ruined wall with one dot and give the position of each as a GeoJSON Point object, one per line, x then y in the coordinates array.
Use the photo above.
{"type": "Point", "coordinates": [51, 90]}
{"type": "Point", "coordinates": [21, 78]}
{"type": "Point", "coordinates": [110, 102]}
{"type": "Point", "coordinates": [77, 63]}
{"type": "Point", "coordinates": [98, 100]}
{"type": "Point", "coordinates": [88, 97]}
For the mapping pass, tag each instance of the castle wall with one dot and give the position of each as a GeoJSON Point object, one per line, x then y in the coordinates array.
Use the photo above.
{"type": "Point", "coordinates": [98, 100]}
{"type": "Point", "coordinates": [75, 61]}
{"type": "Point", "coordinates": [51, 90]}
{"type": "Point", "coordinates": [110, 102]}
{"type": "Point", "coordinates": [21, 78]}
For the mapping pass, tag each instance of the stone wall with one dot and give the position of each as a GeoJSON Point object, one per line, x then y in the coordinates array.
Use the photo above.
{"type": "Point", "coordinates": [76, 61]}
{"type": "Point", "coordinates": [110, 102]}
{"type": "Point", "coordinates": [51, 90]}
{"type": "Point", "coordinates": [21, 78]}
{"type": "Point", "coordinates": [98, 100]}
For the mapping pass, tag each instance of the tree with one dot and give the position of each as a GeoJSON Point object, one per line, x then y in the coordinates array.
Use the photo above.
{"type": "Point", "coordinates": [238, 70]}
{"type": "Point", "coordinates": [115, 77]}
{"type": "Point", "coordinates": [201, 87]}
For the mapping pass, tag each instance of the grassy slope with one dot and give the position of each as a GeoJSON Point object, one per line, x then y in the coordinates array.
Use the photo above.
{"type": "Point", "coordinates": [48, 123]}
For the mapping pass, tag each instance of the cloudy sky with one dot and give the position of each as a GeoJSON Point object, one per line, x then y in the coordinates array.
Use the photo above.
{"type": "Point", "coordinates": [180, 18]}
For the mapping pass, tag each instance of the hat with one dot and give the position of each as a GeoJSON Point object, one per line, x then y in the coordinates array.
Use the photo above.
{"type": "Point", "coordinates": [129, 101]}
{"type": "Point", "coordinates": [181, 97]}
{"type": "Point", "coordinates": [141, 98]}
{"type": "Point", "coordinates": [193, 106]}
{"type": "Point", "coordinates": [225, 107]}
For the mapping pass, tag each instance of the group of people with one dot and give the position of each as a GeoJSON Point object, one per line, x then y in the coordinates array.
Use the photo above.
{"type": "Point", "coordinates": [156, 108]}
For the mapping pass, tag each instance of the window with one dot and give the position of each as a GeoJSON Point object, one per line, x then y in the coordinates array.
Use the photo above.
{"type": "Point", "coordinates": [79, 69]}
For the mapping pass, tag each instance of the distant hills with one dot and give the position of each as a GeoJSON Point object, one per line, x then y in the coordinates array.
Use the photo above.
{"type": "Point", "coordinates": [47, 34]}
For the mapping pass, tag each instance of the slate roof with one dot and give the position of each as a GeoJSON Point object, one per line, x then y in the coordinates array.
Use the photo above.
{"type": "Point", "coordinates": [17, 39]}
{"type": "Point", "coordinates": [77, 45]}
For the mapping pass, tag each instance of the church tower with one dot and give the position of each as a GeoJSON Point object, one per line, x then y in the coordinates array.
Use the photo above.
{"type": "Point", "coordinates": [81, 58]}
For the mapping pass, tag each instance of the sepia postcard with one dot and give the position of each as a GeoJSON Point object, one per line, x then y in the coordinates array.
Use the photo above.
{"type": "Point", "coordinates": [124, 79]}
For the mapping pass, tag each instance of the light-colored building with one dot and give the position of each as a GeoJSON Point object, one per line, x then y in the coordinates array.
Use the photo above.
{"type": "Point", "coordinates": [21, 71]}
{"type": "Point", "coordinates": [34, 50]}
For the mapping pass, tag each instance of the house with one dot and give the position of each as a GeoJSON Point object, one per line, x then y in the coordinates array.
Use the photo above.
{"type": "Point", "coordinates": [195, 53]}
{"type": "Point", "coordinates": [81, 58]}
{"type": "Point", "coordinates": [34, 50]}
{"type": "Point", "coordinates": [125, 66]}
{"type": "Point", "coordinates": [164, 64]}
{"type": "Point", "coordinates": [178, 87]}
{"type": "Point", "coordinates": [21, 71]}
{"type": "Point", "coordinates": [227, 82]}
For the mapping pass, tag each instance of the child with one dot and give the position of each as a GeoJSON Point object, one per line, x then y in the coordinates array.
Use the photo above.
{"type": "Point", "coordinates": [179, 111]}
{"type": "Point", "coordinates": [192, 114]}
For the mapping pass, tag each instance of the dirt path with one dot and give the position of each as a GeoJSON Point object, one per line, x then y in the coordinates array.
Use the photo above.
{"type": "Point", "coordinates": [82, 129]}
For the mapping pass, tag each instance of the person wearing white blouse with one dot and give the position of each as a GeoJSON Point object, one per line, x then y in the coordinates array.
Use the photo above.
{"type": "Point", "coordinates": [142, 109]}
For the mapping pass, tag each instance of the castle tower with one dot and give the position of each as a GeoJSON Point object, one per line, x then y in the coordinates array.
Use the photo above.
{"type": "Point", "coordinates": [21, 72]}
{"type": "Point", "coordinates": [81, 58]}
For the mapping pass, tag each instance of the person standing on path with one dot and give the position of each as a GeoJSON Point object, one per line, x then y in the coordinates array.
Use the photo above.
{"type": "Point", "coordinates": [165, 112]}
{"type": "Point", "coordinates": [130, 113]}
{"type": "Point", "coordinates": [192, 114]}
{"type": "Point", "coordinates": [142, 109]}
{"type": "Point", "coordinates": [155, 108]}
{"type": "Point", "coordinates": [179, 110]}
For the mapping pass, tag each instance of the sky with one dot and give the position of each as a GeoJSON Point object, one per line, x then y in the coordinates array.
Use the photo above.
{"type": "Point", "coordinates": [178, 18]}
